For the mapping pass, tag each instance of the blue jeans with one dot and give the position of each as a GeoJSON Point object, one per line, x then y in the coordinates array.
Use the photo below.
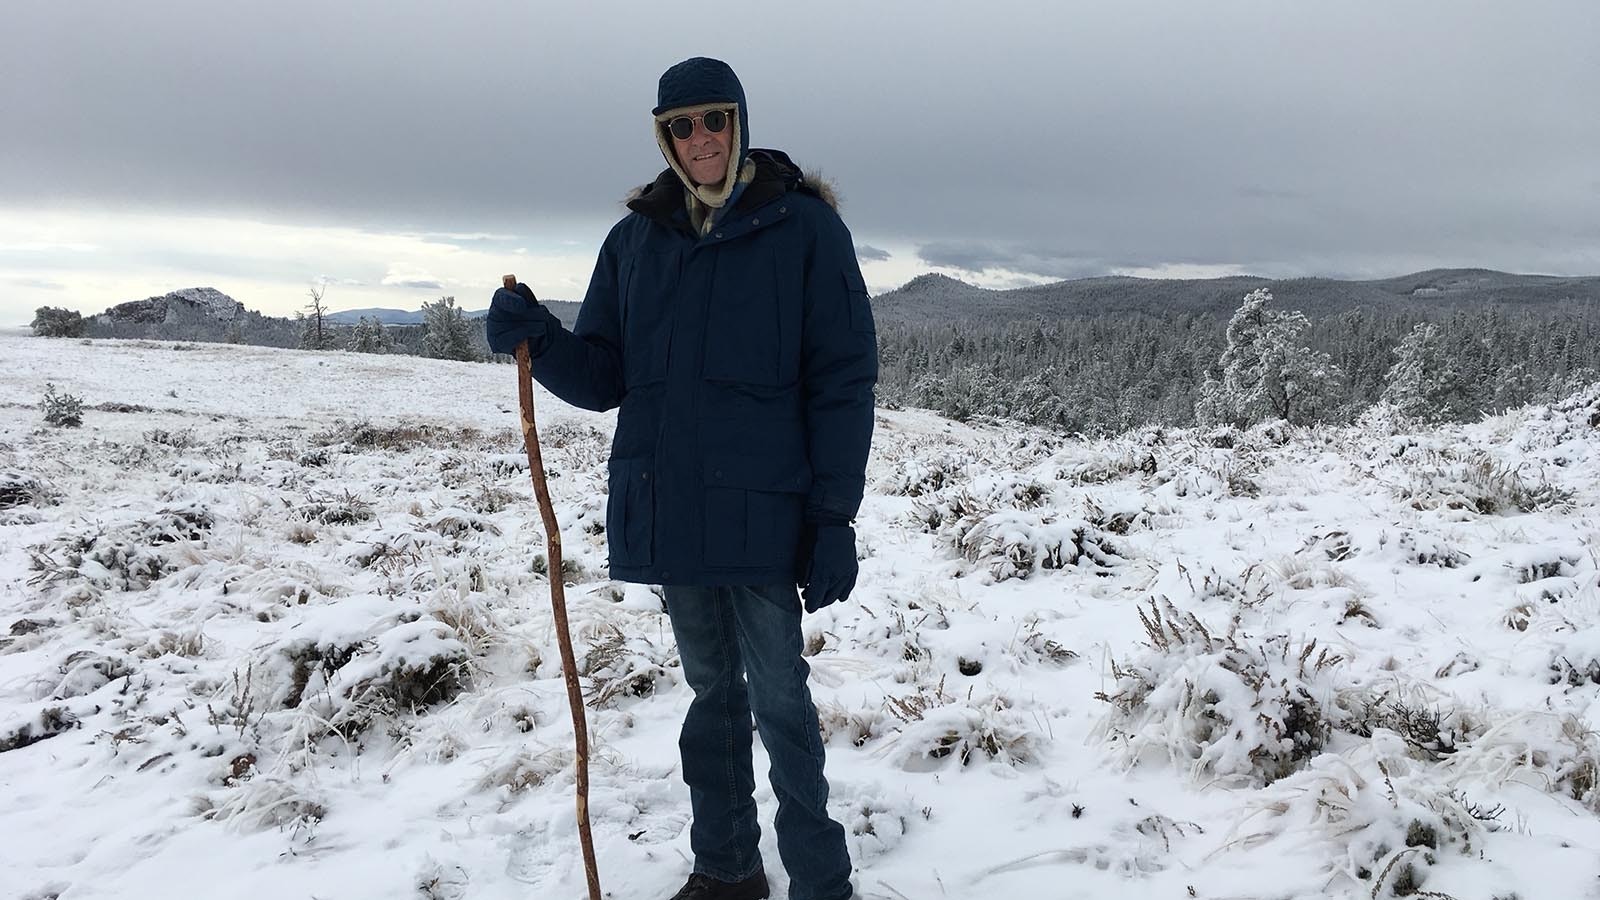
{"type": "Point", "coordinates": [740, 648]}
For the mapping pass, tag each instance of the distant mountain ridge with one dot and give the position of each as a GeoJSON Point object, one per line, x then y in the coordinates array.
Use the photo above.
{"type": "Point", "coordinates": [935, 299]}
{"type": "Point", "coordinates": [205, 313]}
{"type": "Point", "coordinates": [564, 310]}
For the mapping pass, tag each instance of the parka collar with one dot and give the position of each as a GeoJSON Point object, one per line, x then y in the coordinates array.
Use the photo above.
{"type": "Point", "coordinates": [776, 174]}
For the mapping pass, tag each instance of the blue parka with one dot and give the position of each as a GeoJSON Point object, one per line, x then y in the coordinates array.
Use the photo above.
{"type": "Point", "coordinates": [743, 363]}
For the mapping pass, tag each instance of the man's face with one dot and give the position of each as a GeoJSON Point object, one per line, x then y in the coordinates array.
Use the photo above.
{"type": "Point", "coordinates": [704, 155]}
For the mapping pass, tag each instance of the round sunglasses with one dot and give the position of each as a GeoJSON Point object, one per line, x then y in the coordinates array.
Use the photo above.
{"type": "Point", "coordinates": [682, 127]}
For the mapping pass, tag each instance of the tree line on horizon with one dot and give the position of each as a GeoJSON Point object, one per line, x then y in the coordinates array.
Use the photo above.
{"type": "Point", "coordinates": [445, 333]}
{"type": "Point", "coordinates": [1105, 373]}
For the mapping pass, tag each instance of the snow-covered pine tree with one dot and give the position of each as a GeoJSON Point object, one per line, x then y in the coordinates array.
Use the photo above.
{"type": "Point", "coordinates": [448, 334]}
{"type": "Point", "coordinates": [58, 321]}
{"type": "Point", "coordinates": [1424, 382]}
{"type": "Point", "coordinates": [369, 336]}
{"type": "Point", "coordinates": [1266, 371]}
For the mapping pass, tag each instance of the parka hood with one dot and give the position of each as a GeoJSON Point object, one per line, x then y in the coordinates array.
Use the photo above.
{"type": "Point", "coordinates": [693, 87]}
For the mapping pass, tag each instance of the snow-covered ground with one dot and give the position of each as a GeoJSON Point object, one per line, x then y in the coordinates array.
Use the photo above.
{"type": "Point", "coordinates": [273, 624]}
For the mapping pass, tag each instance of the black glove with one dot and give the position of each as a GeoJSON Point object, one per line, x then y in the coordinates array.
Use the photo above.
{"type": "Point", "coordinates": [515, 315]}
{"type": "Point", "coordinates": [828, 565]}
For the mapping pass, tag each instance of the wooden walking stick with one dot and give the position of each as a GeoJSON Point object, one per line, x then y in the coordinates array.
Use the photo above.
{"type": "Point", "coordinates": [558, 602]}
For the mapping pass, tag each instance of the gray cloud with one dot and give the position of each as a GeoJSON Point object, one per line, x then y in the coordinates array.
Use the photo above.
{"type": "Point", "coordinates": [871, 253]}
{"type": "Point", "coordinates": [983, 256]}
{"type": "Point", "coordinates": [1307, 140]}
{"type": "Point", "coordinates": [42, 284]}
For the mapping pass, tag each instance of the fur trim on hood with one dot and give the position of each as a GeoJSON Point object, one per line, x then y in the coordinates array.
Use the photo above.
{"type": "Point", "coordinates": [813, 183]}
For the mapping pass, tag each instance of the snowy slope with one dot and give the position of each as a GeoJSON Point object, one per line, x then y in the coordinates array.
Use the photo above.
{"type": "Point", "coordinates": [273, 624]}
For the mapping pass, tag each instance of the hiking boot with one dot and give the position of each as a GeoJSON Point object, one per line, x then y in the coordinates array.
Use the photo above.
{"type": "Point", "coordinates": [704, 887]}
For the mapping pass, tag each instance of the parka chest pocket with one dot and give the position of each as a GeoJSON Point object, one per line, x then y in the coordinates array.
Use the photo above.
{"type": "Point", "coordinates": [649, 281]}
{"type": "Point", "coordinates": [753, 320]}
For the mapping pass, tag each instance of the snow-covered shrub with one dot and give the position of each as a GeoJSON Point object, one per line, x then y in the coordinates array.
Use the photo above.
{"type": "Point", "coordinates": [1115, 460]}
{"type": "Point", "coordinates": [619, 664]}
{"type": "Point", "coordinates": [1583, 406]}
{"type": "Point", "coordinates": [1530, 564]}
{"type": "Point", "coordinates": [410, 665]}
{"type": "Point", "coordinates": [1557, 753]}
{"type": "Point", "coordinates": [1422, 549]}
{"type": "Point", "coordinates": [266, 801]}
{"type": "Point", "coordinates": [86, 671]}
{"type": "Point", "coordinates": [470, 618]}
{"type": "Point", "coordinates": [105, 561]}
{"type": "Point", "coordinates": [1247, 589]}
{"type": "Point", "coordinates": [489, 498]}
{"type": "Point", "coordinates": [184, 522]}
{"type": "Point", "coordinates": [858, 726]}
{"type": "Point", "coordinates": [1430, 731]}
{"type": "Point", "coordinates": [311, 663]}
{"type": "Point", "coordinates": [1483, 485]}
{"type": "Point", "coordinates": [918, 477]}
{"type": "Point", "coordinates": [435, 881]}
{"type": "Point", "coordinates": [521, 767]}
{"type": "Point", "coordinates": [1017, 543]}
{"type": "Point", "coordinates": [1380, 818]}
{"type": "Point", "coordinates": [1116, 518]}
{"type": "Point", "coordinates": [935, 726]}
{"type": "Point", "coordinates": [25, 634]}
{"type": "Point", "coordinates": [120, 557]}
{"type": "Point", "coordinates": [22, 489]}
{"type": "Point", "coordinates": [176, 440]}
{"type": "Point", "coordinates": [1034, 646]}
{"type": "Point", "coordinates": [1575, 652]}
{"type": "Point", "coordinates": [48, 722]}
{"type": "Point", "coordinates": [874, 823]}
{"type": "Point", "coordinates": [1302, 574]}
{"type": "Point", "coordinates": [388, 550]}
{"type": "Point", "coordinates": [934, 514]}
{"type": "Point", "coordinates": [1226, 706]}
{"type": "Point", "coordinates": [408, 436]}
{"type": "Point", "coordinates": [61, 410]}
{"type": "Point", "coordinates": [1196, 472]}
{"type": "Point", "coordinates": [344, 508]}
{"type": "Point", "coordinates": [936, 510]}
{"type": "Point", "coordinates": [456, 522]}
{"type": "Point", "coordinates": [1335, 546]}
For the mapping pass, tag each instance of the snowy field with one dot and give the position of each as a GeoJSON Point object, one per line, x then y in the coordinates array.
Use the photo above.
{"type": "Point", "coordinates": [274, 624]}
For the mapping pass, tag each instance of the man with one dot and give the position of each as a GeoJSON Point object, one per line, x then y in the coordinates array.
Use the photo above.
{"type": "Point", "coordinates": [728, 320]}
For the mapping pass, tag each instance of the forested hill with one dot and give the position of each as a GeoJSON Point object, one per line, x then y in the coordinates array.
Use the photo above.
{"type": "Point", "coordinates": [933, 299]}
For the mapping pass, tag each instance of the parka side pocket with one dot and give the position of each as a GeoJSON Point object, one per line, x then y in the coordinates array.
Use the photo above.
{"type": "Point", "coordinates": [754, 508]}
{"type": "Point", "coordinates": [630, 511]}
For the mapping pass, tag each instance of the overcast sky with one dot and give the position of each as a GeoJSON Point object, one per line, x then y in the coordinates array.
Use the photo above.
{"type": "Point", "coordinates": [403, 149]}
